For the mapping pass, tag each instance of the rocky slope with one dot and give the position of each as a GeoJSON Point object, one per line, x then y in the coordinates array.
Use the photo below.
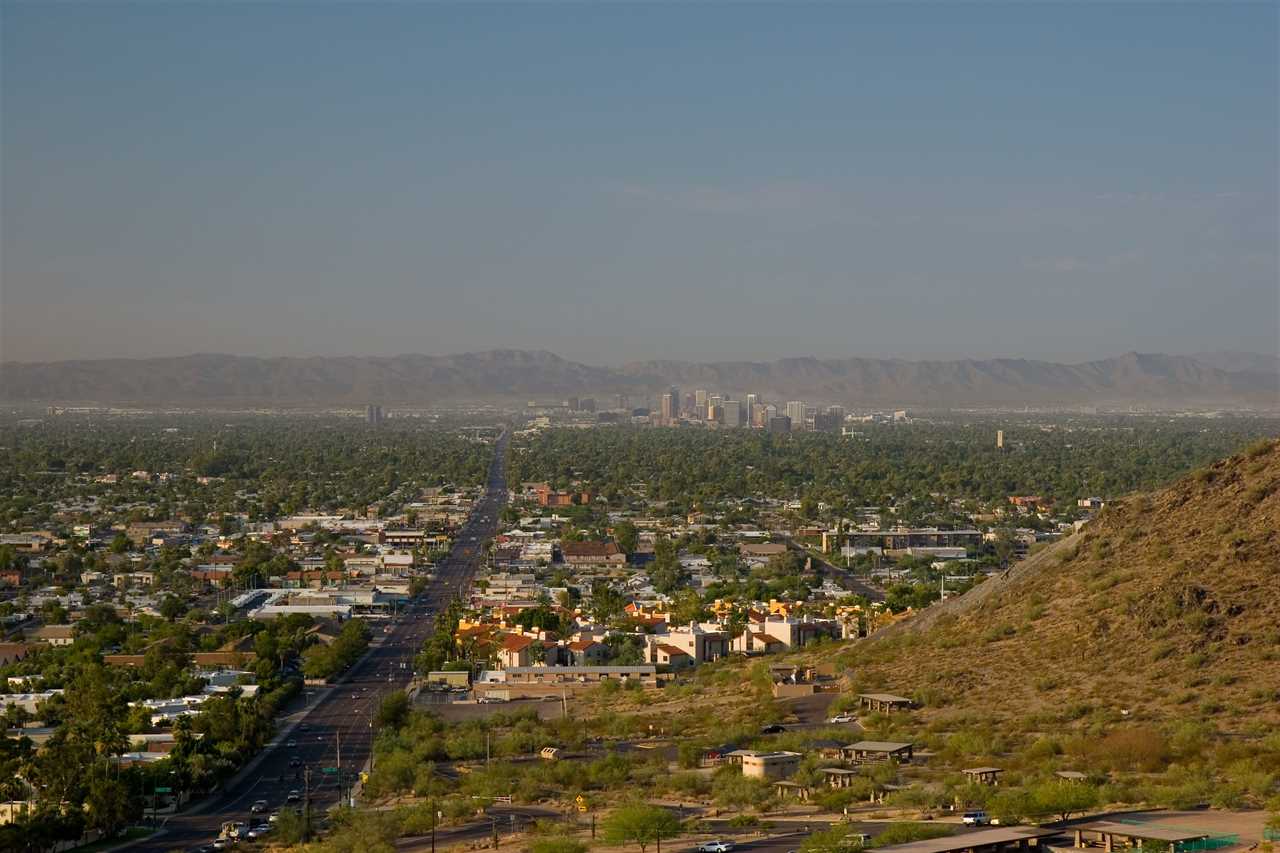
{"type": "Point", "coordinates": [1167, 605]}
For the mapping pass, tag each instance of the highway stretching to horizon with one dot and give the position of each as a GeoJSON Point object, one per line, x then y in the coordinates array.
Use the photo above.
{"type": "Point", "coordinates": [334, 726]}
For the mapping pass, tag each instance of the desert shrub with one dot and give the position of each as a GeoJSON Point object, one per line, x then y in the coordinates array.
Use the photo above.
{"type": "Point", "coordinates": [1042, 750]}
{"type": "Point", "coordinates": [557, 845]}
{"type": "Point", "coordinates": [901, 833]}
{"type": "Point", "coordinates": [736, 790]}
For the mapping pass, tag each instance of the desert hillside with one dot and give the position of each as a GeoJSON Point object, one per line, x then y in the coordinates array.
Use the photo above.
{"type": "Point", "coordinates": [1167, 606]}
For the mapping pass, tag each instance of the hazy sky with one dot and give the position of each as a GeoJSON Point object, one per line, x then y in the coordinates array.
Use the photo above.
{"type": "Point", "coordinates": [614, 182]}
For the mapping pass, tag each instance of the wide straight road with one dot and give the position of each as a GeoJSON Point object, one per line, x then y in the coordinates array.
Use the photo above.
{"type": "Point", "coordinates": [337, 731]}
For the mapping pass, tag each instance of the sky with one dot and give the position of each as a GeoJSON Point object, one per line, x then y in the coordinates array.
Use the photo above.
{"type": "Point", "coordinates": [615, 182]}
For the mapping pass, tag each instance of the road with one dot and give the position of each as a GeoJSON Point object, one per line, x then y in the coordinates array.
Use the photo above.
{"type": "Point", "coordinates": [843, 576]}
{"type": "Point", "coordinates": [336, 731]}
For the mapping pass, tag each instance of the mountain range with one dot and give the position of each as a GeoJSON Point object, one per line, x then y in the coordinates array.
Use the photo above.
{"type": "Point", "coordinates": [1222, 379]}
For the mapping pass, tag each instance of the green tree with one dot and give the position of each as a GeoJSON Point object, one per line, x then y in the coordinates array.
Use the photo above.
{"type": "Point", "coordinates": [665, 571]}
{"type": "Point", "coordinates": [627, 537]}
{"type": "Point", "coordinates": [394, 710]}
{"type": "Point", "coordinates": [1064, 798]}
{"type": "Point", "coordinates": [639, 823]}
{"type": "Point", "coordinates": [687, 607]}
{"type": "Point", "coordinates": [172, 607]}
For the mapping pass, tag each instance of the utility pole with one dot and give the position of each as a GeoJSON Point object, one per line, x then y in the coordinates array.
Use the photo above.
{"type": "Point", "coordinates": [306, 804]}
{"type": "Point", "coordinates": [433, 826]}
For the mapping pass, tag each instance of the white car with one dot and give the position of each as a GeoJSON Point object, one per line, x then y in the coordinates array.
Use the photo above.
{"type": "Point", "coordinates": [715, 847]}
{"type": "Point", "coordinates": [843, 717]}
{"type": "Point", "coordinates": [978, 818]}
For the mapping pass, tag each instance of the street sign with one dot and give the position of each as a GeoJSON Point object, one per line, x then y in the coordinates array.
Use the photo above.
{"type": "Point", "coordinates": [329, 770]}
{"type": "Point", "coordinates": [164, 790]}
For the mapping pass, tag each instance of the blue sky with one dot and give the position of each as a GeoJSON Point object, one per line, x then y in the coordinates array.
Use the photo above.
{"type": "Point", "coordinates": [616, 182]}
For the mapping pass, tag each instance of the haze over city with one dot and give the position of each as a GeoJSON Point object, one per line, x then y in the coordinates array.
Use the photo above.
{"type": "Point", "coordinates": [599, 427]}
{"type": "Point", "coordinates": [634, 182]}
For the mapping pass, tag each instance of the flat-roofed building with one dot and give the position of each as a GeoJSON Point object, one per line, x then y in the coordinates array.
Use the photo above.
{"type": "Point", "coordinates": [884, 702]}
{"type": "Point", "coordinates": [777, 764]}
{"type": "Point", "coordinates": [869, 751]}
{"type": "Point", "coordinates": [983, 775]}
{"type": "Point", "coordinates": [569, 676]}
{"type": "Point", "coordinates": [1109, 834]}
{"type": "Point", "coordinates": [1006, 839]}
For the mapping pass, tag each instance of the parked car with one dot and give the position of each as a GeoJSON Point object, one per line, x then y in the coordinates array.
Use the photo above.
{"type": "Point", "coordinates": [293, 797]}
{"type": "Point", "coordinates": [258, 807]}
{"type": "Point", "coordinates": [715, 847]}
{"type": "Point", "coordinates": [978, 818]}
{"type": "Point", "coordinates": [843, 717]}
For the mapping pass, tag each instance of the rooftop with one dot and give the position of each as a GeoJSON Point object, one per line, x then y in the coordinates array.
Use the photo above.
{"type": "Point", "coordinates": [884, 697]}
{"type": "Point", "coordinates": [1140, 830]}
{"type": "Point", "coordinates": [970, 840]}
{"type": "Point", "coordinates": [878, 745]}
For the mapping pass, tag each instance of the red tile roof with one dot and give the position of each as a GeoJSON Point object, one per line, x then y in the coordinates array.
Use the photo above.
{"type": "Point", "coordinates": [516, 642]}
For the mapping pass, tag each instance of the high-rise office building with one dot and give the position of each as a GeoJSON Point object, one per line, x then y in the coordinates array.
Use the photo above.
{"type": "Point", "coordinates": [700, 403]}
{"type": "Point", "coordinates": [669, 408]}
{"type": "Point", "coordinates": [836, 412]}
{"type": "Point", "coordinates": [751, 401]}
{"type": "Point", "coordinates": [825, 422]}
{"type": "Point", "coordinates": [732, 413]}
{"type": "Point", "coordinates": [999, 439]}
{"type": "Point", "coordinates": [675, 402]}
{"type": "Point", "coordinates": [795, 411]}
{"type": "Point", "coordinates": [779, 424]}
{"type": "Point", "coordinates": [373, 414]}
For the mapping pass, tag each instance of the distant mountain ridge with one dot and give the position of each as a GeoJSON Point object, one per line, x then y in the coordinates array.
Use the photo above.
{"type": "Point", "coordinates": [1225, 379]}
